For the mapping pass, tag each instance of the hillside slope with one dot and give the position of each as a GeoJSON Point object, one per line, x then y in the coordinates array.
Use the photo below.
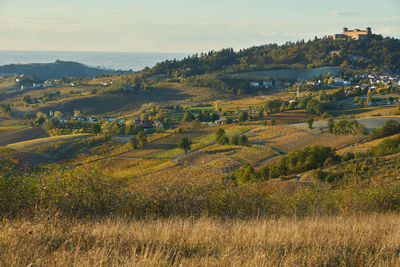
{"type": "Point", "coordinates": [56, 70]}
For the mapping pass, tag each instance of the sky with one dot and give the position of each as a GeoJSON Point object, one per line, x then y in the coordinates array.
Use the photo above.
{"type": "Point", "coordinates": [186, 26]}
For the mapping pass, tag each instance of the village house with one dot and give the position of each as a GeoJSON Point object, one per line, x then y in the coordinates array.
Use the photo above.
{"type": "Point", "coordinates": [37, 85]}
{"type": "Point", "coordinates": [47, 85]}
{"type": "Point", "coordinates": [110, 119]}
{"type": "Point", "coordinates": [254, 84]}
{"type": "Point", "coordinates": [78, 118]}
{"type": "Point", "coordinates": [268, 84]}
{"type": "Point", "coordinates": [221, 121]}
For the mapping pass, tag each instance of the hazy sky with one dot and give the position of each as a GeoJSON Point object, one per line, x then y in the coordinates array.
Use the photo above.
{"type": "Point", "coordinates": [183, 25]}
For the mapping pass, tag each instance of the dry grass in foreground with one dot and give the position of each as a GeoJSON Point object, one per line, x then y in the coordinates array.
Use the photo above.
{"type": "Point", "coordinates": [358, 240]}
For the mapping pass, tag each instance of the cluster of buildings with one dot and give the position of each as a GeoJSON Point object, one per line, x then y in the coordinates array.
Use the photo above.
{"type": "Point", "coordinates": [375, 81]}
{"type": "Point", "coordinates": [23, 85]}
{"type": "Point", "coordinates": [268, 84]}
{"type": "Point", "coordinates": [385, 80]}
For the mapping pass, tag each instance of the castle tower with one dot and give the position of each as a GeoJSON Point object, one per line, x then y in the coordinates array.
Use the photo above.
{"type": "Point", "coordinates": [369, 31]}
{"type": "Point", "coordinates": [345, 29]}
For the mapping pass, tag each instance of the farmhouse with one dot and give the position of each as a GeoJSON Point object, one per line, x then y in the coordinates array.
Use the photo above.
{"type": "Point", "coordinates": [221, 121]}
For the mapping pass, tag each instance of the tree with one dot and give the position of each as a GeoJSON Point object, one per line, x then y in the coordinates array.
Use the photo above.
{"type": "Point", "coordinates": [369, 96]}
{"type": "Point", "coordinates": [58, 115]}
{"type": "Point", "coordinates": [273, 121]}
{"type": "Point", "coordinates": [106, 128]}
{"type": "Point", "coordinates": [188, 117]}
{"type": "Point", "coordinates": [222, 140]}
{"type": "Point", "coordinates": [27, 99]}
{"type": "Point", "coordinates": [220, 137]}
{"type": "Point", "coordinates": [310, 122]}
{"type": "Point", "coordinates": [5, 109]}
{"type": "Point", "coordinates": [243, 141]}
{"type": "Point", "coordinates": [142, 139]}
{"type": "Point", "coordinates": [132, 128]}
{"type": "Point", "coordinates": [234, 140]}
{"type": "Point", "coordinates": [331, 125]}
{"type": "Point", "coordinates": [184, 144]}
{"type": "Point", "coordinates": [314, 107]}
{"type": "Point", "coordinates": [133, 142]}
{"type": "Point", "coordinates": [260, 114]}
{"type": "Point", "coordinates": [219, 132]}
{"type": "Point", "coordinates": [243, 116]}
{"type": "Point", "coordinates": [95, 128]}
{"type": "Point", "coordinates": [273, 106]}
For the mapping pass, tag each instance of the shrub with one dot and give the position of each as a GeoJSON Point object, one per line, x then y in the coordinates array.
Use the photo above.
{"type": "Point", "coordinates": [388, 146]}
{"type": "Point", "coordinates": [327, 176]}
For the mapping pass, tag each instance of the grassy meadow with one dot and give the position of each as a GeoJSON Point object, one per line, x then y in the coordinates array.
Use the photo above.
{"type": "Point", "coordinates": [355, 240]}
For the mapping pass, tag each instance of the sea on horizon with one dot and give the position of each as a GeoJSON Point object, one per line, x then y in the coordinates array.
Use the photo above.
{"type": "Point", "coordinates": [111, 60]}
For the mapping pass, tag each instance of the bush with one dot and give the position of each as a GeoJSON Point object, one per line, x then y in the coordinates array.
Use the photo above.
{"type": "Point", "coordinates": [388, 146]}
{"type": "Point", "coordinates": [327, 176]}
{"type": "Point", "coordinates": [348, 156]}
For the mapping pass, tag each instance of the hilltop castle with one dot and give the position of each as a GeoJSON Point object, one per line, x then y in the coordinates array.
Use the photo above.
{"type": "Point", "coordinates": [355, 34]}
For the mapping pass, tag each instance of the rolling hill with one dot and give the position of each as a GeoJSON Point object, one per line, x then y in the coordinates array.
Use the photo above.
{"type": "Point", "coordinates": [56, 70]}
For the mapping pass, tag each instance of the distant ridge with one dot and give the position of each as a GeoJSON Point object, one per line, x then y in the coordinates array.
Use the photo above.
{"type": "Point", "coordinates": [57, 70]}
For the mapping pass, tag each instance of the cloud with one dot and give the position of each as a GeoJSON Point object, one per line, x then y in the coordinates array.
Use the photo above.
{"type": "Point", "coordinates": [345, 13]}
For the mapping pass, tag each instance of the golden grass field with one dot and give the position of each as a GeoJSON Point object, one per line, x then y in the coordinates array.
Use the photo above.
{"type": "Point", "coordinates": [356, 240]}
